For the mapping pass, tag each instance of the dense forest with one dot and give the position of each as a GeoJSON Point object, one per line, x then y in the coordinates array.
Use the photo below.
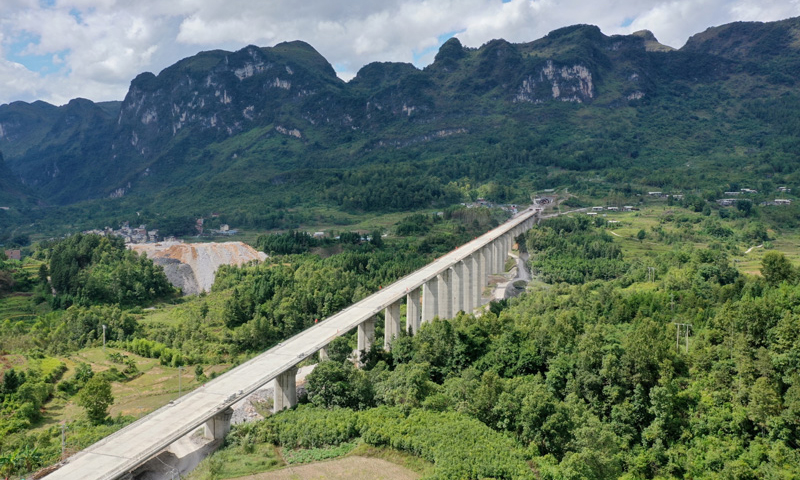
{"type": "Point", "coordinates": [582, 377]}
{"type": "Point", "coordinates": [86, 289]}
{"type": "Point", "coordinates": [492, 122]}
{"type": "Point", "coordinates": [661, 342]}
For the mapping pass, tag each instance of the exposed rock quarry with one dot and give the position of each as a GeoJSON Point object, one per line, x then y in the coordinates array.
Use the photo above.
{"type": "Point", "coordinates": [192, 266]}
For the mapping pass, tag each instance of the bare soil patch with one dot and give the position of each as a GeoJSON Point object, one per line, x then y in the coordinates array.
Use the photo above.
{"type": "Point", "coordinates": [347, 468]}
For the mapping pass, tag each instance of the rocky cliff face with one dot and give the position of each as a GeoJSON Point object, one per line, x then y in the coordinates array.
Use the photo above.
{"type": "Point", "coordinates": [192, 266]}
{"type": "Point", "coordinates": [223, 92]}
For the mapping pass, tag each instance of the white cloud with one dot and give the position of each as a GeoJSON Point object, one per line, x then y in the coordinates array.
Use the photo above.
{"type": "Point", "coordinates": [98, 46]}
{"type": "Point", "coordinates": [19, 83]}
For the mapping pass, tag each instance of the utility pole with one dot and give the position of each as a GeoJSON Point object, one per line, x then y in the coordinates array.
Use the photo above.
{"type": "Point", "coordinates": [104, 339]}
{"type": "Point", "coordinates": [180, 371]}
{"type": "Point", "coordinates": [682, 328]}
{"type": "Point", "coordinates": [63, 439]}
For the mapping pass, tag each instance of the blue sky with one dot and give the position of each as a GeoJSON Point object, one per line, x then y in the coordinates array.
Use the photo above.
{"type": "Point", "coordinates": [56, 50]}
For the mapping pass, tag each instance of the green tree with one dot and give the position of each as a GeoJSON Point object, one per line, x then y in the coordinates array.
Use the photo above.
{"type": "Point", "coordinates": [95, 398]}
{"type": "Point", "coordinates": [407, 386]}
{"type": "Point", "coordinates": [339, 349]}
{"type": "Point", "coordinates": [776, 268]}
{"type": "Point", "coordinates": [334, 384]}
{"type": "Point", "coordinates": [765, 402]}
{"type": "Point", "coordinates": [744, 206]}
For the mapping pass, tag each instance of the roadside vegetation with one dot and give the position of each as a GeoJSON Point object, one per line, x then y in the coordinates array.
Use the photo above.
{"type": "Point", "coordinates": [579, 377]}
{"type": "Point", "coordinates": [69, 296]}
{"type": "Point", "coordinates": [586, 376]}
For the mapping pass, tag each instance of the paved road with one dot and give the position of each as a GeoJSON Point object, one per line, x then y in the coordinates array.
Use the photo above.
{"type": "Point", "coordinates": [123, 451]}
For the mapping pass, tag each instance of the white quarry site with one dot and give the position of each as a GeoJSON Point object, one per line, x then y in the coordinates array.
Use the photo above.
{"type": "Point", "coordinates": [192, 266]}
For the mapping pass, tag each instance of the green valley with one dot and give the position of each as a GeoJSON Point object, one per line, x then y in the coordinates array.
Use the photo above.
{"type": "Point", "coordinates": [656, 338]}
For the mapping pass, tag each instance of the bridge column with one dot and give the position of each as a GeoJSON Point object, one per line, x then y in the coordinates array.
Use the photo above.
{"type": "Point", "coordinates": [391, 328]}
{"type": "Point", "coordinates": [472, 296]}
{"type": "Point", "coordinates": [501, 255]}
{"type": "Point", "coordinates": [413, 310]}
{"type": "Point", "coordinates": [488, 264]}
{"type": "Point", "coordinates": [480, 255]}
{"type": "Point", "coordinates": [285, 390]}
{"type": "Point", "coordinates": [430, 307]}
{"type": "Point", "coordinates": [460, 281]}
{"type": "Point", "coordinates": [445, 298]}
{"type": "Point", "coordinates": [323, 354]}
{"type": "Point", "coordinates": [219, 425]}
{"type": "Point", "coordinates": [366, 334]}
{"type": "Point", "coordinates": [504, 249]}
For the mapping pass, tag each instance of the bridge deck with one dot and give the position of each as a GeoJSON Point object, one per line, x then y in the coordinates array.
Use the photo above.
{"type": "Point", "coordinates": [123, 451]}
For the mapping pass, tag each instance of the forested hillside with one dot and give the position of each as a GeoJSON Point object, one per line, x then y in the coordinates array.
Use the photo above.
{"type": "Point", "coordinates": [84, 307]}
{"type": "Point", "coordinates": [262, 136]}
{"type": "Point", "coordinates": [657, 338]}
{"type": "Point", "coordinates": [581, 377]}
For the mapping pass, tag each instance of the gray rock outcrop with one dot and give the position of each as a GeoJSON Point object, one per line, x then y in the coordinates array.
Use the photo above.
{"type": "Point", "coordinates": [192, 267]}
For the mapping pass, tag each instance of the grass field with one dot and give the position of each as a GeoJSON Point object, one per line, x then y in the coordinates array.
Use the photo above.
{"type": "Point", "coordinates": [18, 307]}
{"type": "Point", "coordinates": [747, 256]}
{"type": "Point", "coordinates": [267, 462]}
{"type": "Point", "coordinates": [187, 308]}
{"type": "Point", "coordinates": [154, 387]}
{"type": "Point", "coordinates": [348, 468]}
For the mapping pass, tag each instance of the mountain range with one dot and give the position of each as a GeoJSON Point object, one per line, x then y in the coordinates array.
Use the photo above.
{"type": "Point", "coordinates": [257, 132]}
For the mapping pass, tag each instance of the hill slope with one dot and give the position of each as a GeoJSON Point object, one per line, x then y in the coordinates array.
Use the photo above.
{"type": "Point", "coordinates": [260, 129]}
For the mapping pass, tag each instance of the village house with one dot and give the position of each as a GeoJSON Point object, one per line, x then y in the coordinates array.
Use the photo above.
{"type": "Point", "coordinates": [597, 209]}
{"type": "Point", "coordinates": [727, 202]}
{"type": "Point", "coordinates": [613, 209]}
{"type": "Point", "coordinates": [14, 254]}
{"type": "Point", "coordinates": [782, 201]}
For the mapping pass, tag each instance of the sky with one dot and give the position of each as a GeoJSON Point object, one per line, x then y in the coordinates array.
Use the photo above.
{"type": "Point", "coordinates": [56, 50]}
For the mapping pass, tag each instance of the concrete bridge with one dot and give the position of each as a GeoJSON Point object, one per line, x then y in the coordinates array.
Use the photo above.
{"type": "Point", "coordinates": [452, 283]}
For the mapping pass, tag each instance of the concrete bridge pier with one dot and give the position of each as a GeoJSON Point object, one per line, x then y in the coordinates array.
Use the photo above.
{"type": "Point", "coordinates": [480, 278]}
{"type": "Point", "coordinates": [430, 307]}
{"type": "Point", "coordinates": [471, 293]}
{"type": "Point", "coordinates": [505, 247]}
{"type": "Point", "coordinates": [219, 425]}
{"type": "Point", "coordinates": [413, 311]}
{"type": "Point", "coordinates": [285, 390]}
{"type": "Point", "coordinates": [443, 297]}
{"type": "Point", "coordinates": [457, 290]}
{"type": "Point", "coordinates": [497, 254]}
{"type": "Point", "coordinates": [391, 327]}
{"type": "Point", "coordinates": [366, 334]}
{"type": "Point", "coordinates": [323, 354]}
